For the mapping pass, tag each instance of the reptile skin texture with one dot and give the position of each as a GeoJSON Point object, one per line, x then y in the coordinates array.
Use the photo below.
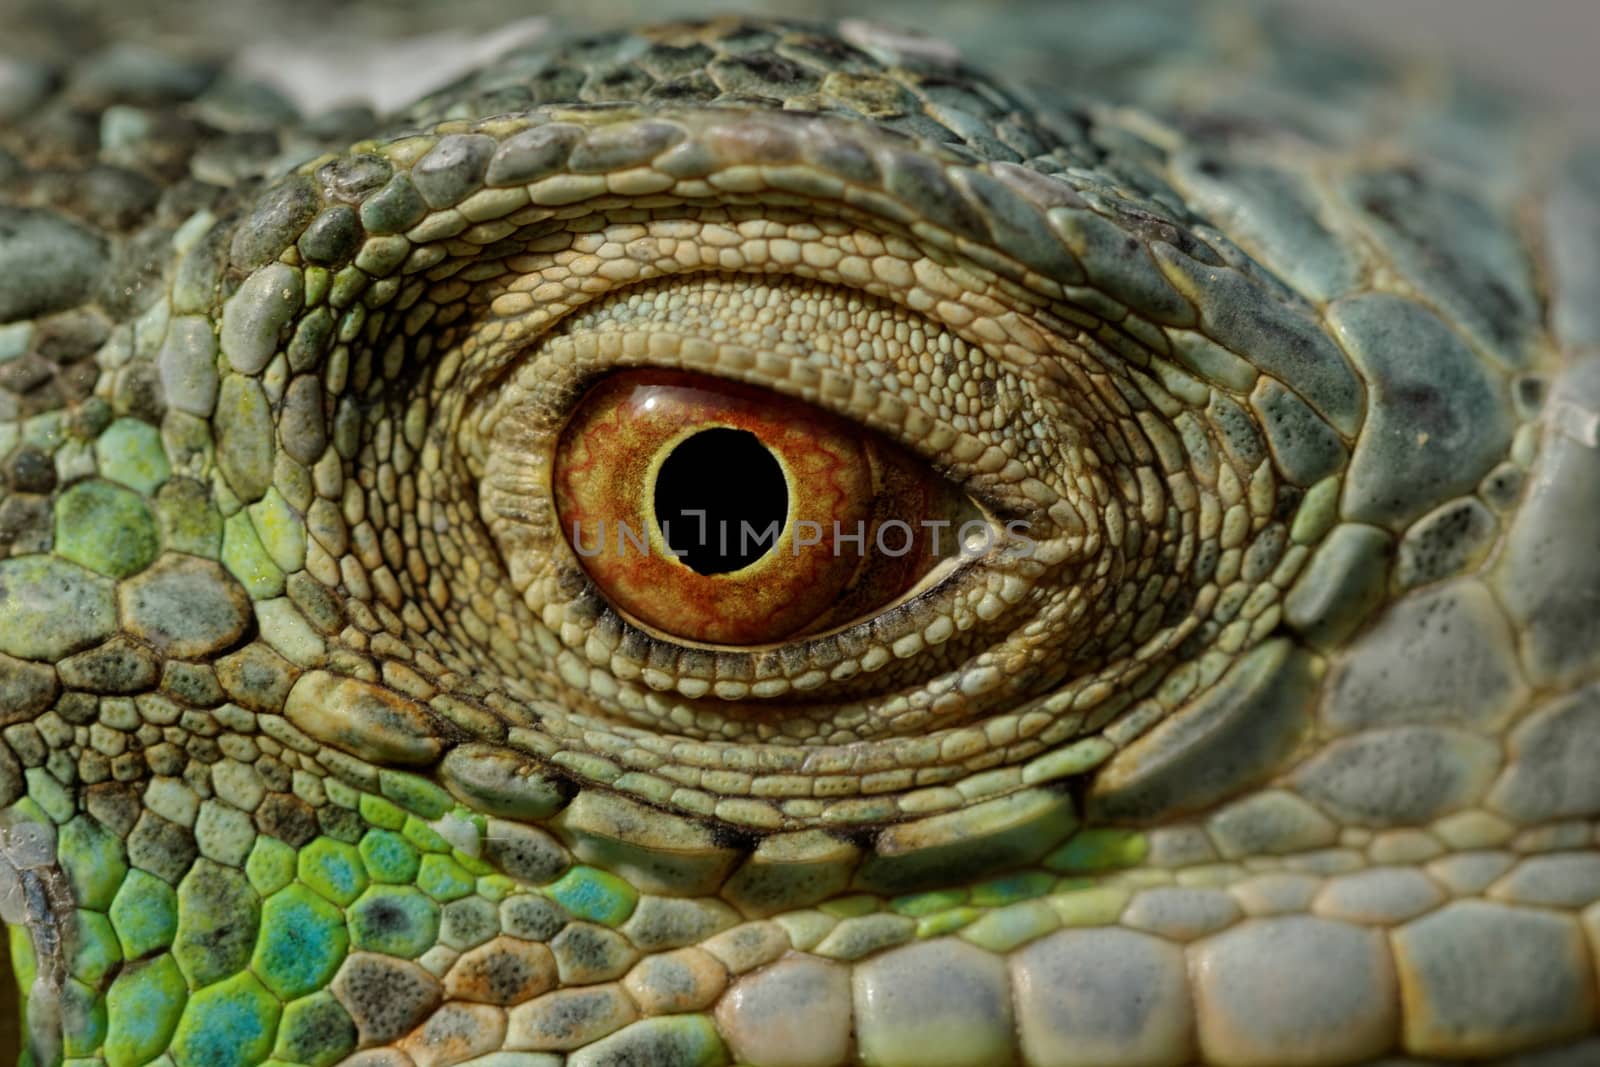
{"type": "Point", "coordinates": [1253, 719]}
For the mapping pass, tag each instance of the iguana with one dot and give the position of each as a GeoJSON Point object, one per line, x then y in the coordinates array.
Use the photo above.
{"type": "Point", "coordinates": [1249, 713]}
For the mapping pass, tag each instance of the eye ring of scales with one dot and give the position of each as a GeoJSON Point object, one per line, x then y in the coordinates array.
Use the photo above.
{"type": "Point", "coordinates": [318, 745]}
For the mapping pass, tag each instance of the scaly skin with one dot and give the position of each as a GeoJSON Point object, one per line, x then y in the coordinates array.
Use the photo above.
{"type": "Point", "coordinates": [318, 745]}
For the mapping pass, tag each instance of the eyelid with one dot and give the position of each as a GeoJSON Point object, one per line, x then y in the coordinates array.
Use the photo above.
{"type": "Point", "coordinates": [889, 391]}
{"type": "Point", "coordinates": [944, 392]}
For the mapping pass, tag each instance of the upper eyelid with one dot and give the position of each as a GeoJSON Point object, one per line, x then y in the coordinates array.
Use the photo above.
{"type": "Point", "coordinates": [801, 380]}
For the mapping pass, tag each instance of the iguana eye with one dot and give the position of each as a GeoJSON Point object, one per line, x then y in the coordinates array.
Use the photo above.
{"type": "Point", "coordinates": [727, 514]}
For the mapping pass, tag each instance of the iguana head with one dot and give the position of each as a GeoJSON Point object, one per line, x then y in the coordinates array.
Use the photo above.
{"type": "Point", "coordinates": [1247, 714]}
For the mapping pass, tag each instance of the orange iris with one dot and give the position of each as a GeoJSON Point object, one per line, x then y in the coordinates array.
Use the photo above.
{"type": "Point", "coordinates": [727, 514]}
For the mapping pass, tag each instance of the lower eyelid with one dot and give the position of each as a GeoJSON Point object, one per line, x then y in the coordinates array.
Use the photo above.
{"type": "Point", "coordinates": [823, 650]}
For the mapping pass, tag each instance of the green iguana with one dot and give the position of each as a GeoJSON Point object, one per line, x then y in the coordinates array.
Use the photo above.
{"type": "Point", "coordinates": [1247, 714]}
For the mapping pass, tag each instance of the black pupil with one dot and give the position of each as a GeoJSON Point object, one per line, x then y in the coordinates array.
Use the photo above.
{"type": "Point", "coordinates": [733, 478]}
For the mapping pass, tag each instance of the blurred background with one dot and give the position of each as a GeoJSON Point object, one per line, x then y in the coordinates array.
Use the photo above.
{"type": "Point", "coordinates": [1544, 47]}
